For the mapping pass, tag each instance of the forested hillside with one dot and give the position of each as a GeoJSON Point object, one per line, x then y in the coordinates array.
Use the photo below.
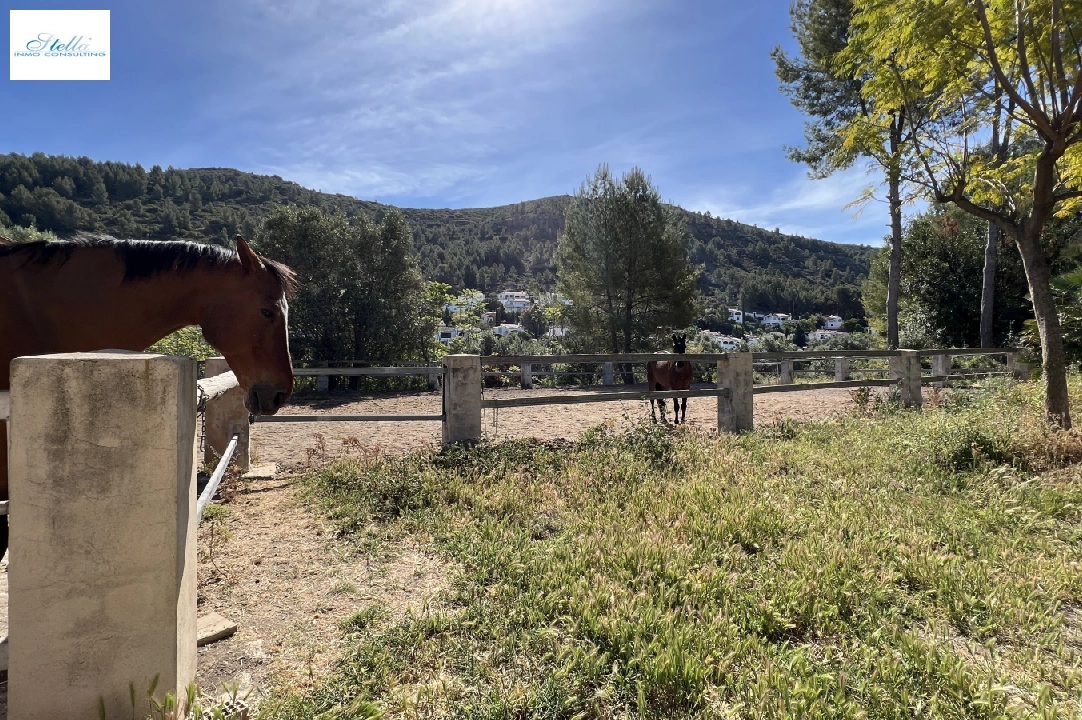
{"type": "Point", "coordinates": [485, 248]}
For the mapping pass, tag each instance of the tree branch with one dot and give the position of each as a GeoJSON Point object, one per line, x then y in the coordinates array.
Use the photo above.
{"type": "Point", "coordinates": [1057, 52]}
{"type": "Point", "coordinates": [1037, 115]}
{"type": "Point", "coordinates": [1005, 224]}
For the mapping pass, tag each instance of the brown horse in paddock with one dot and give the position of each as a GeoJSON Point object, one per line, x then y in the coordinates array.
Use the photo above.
{"type": "Point", "coordinates": [670, 375]}
{"type": "Point", "coordinates": [93, 294]}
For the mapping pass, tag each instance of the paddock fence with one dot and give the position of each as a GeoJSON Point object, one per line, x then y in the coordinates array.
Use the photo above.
{"type": "Point", "coordinates": [737, 378]}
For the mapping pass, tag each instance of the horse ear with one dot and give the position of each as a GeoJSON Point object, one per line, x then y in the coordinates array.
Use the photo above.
{"type": "Point", "coordinates": [248, 259]}
{"type": "Point", "coordinates": [674, 337]}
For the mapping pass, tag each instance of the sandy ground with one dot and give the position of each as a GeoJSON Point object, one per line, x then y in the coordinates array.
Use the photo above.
{"type": "Point", "coordinates": [290, 444]}
{"type": "Point", "coordinates": [283, 578]}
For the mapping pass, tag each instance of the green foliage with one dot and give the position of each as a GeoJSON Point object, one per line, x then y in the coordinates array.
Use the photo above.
{"type": "Point", "coordinates": [942, 265]}
{"type": "Point", "coordinates": [19, 234]}
{"type": "Point", "coordinates": [360, 293]}
{"type": "Point", "coordinates": [623, 263]}
{"type": "Point", "coordinates": [186, 342]}
{"type": "Point", "coordinates": [902, 565]}
{"type": "Point", "coordinates": [493, 249]}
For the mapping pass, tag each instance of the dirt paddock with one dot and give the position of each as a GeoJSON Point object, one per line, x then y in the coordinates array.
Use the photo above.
{"type": "Point", "coordinates": [288, 444]}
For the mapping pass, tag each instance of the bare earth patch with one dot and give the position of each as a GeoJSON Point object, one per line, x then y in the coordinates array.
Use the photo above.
{"type": "Point", "coordinates": [288, 584]}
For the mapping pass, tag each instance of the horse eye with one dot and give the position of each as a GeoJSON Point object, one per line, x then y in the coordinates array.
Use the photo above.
{"type": "Point", "coordinates": [269, 314]}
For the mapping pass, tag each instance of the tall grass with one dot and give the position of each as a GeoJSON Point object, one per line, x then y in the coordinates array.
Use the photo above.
{"type": "Point", "coordinates": [895, 566]}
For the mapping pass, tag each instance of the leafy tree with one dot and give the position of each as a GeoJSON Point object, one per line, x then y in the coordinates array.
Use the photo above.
{"type": "Point", "coordinates": [845, 123]}
{"type": "Point", "coordinates": [360, 293]}
{"type": "Point", "coordinates": [623, 262]}
{"type": "Point", "coordinates": [534, 320]}
{"type": "Point", "coordinates": [800, 336]}
{"type": "Point", "coordinates": [958, 57]}
{"type": "Point", "coordinates": [943, 251]}
{"type": "Point", "coordinates": [186, 342]}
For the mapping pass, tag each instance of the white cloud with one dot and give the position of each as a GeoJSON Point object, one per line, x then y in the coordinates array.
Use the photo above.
{"type": "Point", "coordinates": [399, 97]}
{"type": "Point", "coordinates": [802, 206]}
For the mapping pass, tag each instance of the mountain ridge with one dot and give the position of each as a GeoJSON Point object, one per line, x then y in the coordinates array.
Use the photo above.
{"type": "Point", "coordinates": [487, 248]}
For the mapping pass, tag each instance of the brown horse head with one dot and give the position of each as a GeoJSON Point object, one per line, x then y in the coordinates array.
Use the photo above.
{"type": "Point", "coordinates": [249, 325]}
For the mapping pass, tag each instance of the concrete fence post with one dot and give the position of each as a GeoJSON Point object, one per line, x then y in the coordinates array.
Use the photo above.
{"type": "Point", "coordinates": [1020, 371]}
{"type": "Point", "coordinates": [323, 382]}
{"type": "Point", "coordinates": [905, 368]}
{"type": "Point", "coordinates": [941, 365]}
{"type": "Point", "coordinates": [102, 581]}
{"type": "Point", "coordinates": [461, 398]}
{"type": "Point", "coordinates": [606, 373]}
{"type": "Point", "coordinates": [736, 413]}
{"type": "Point", "coordinates": [527, 376]}
{"type": "Point", "coordinates": [786, 372]}
{"type": "Point", "coordinates": [842, 369]}
{"type": "Point", "coordinates": [433, 378]}
{"type": "Point", "coordinates": [226, 416]}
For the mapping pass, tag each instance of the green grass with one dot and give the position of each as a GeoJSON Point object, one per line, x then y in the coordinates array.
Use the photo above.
{"type": "Point", "coordinates": [893, 566]}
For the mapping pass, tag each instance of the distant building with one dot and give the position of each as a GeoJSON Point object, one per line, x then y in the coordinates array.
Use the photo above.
{"type": "Point", "coordinates": [505, 329]}
{"type": "Point", "coordinates": [774, 320]}
{"type": "Point", "coordinates": [825, 334]}
{"type": "Point", "coordinates": [832, 322]}
{"type": "Point", "coordinates": [447, 334]}
{"type": "Point", "coordinates": [727, 342]}
{"type": "Point", "coordinates": [556, 331]}
{"type": "Point", "coordinates": [736, 315]}
{"type": "Point", "coordinates": [466, 301]}
{"type": "Point", "coordinates": [489, 318]}
{"type": "Point", "coordinates": [514, 300]}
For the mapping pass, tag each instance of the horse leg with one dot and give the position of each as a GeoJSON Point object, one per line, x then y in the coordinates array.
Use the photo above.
{"type": "Point", "coordinates": [652, 415]}
{"type": "Point", "coordinates": [661, 404]}
{"type": "Point", "coordinates": [684, 410]}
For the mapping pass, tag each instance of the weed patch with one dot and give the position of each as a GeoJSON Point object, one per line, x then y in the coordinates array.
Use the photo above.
{"type": "Point", "coordinates": [797, 571]}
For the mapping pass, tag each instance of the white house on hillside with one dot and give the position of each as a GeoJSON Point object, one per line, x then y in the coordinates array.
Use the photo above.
{"type": "Point", "coordinates": [825, 334]}
{"type": "Point", "coordinates": [774, 319]}
{"type": "Point", "coordinates": [727, 342]}
{"type": "Point", "coordinates": [505, 329]}
{"type": "Point", "coordinates": [832, 322]}
{"type": "Point", "coordinates": [447, 334]}
{"type": "Point", "coordinates": [514, 300]}
{"type": "Point", "coordinates": [465, 301]}
{"type": "Point", "coordinates": [736, 315]}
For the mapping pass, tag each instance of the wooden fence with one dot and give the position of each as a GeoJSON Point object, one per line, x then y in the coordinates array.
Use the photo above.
{"type": "Point", "coordinates": [462, 379]}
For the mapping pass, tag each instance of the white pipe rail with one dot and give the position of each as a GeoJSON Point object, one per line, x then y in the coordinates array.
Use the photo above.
{"type": "Point", "coordinates": [216, 478]}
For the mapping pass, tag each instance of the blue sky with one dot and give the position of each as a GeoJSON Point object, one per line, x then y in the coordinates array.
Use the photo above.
{"type": "Point", "coordinates": [449, 103]}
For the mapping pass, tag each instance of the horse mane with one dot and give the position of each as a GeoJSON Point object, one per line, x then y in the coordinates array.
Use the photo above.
{"type": "Point", "coordinates": [144, 259]}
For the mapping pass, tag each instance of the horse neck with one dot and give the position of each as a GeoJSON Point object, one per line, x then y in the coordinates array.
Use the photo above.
{"type": "Point", "coordinates": [98, 310]}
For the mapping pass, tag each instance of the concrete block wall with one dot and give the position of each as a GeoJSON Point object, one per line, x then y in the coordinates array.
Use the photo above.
{"type": "Point", "coordinates": [102, 576]}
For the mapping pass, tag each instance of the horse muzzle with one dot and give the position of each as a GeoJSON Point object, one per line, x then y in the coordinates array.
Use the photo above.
{"type": "Point", "coordinates": [265, 400]}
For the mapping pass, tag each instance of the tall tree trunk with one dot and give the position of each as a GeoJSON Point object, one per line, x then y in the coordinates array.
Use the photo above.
{"type": "Point", "coordinates": [894, 278]}
{"type": "Point", "coordinates": [894, 198]}
{"type": "Point", "coordinates": [988, 286]}
{"type": "Point", "coordinates": [1053, 356]}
